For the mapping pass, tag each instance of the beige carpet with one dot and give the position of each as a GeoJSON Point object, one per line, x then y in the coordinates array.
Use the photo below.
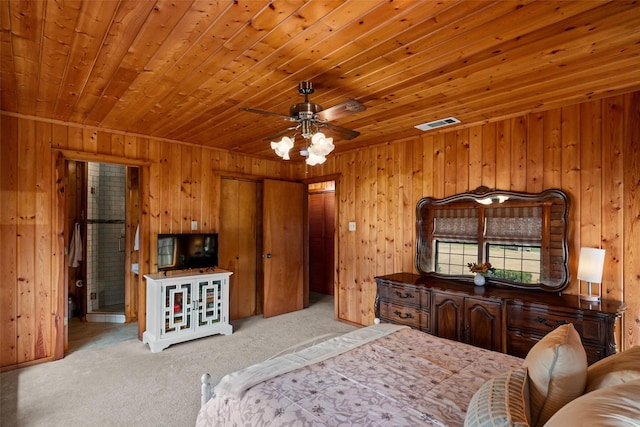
{"type": "Point", "coordinates": [124, 384]}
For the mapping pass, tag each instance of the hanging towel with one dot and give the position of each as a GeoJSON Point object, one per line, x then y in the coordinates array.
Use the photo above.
{"type": "Point", "coordinates": [75, 247]}
{"type": "Point", "coordinates": [136, 240]}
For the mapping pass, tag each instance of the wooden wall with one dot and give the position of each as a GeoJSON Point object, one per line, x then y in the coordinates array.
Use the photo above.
{"type": "Point", "coordinates": [178, 183]}
{"type": "Point", "coordinates": [591, 151]}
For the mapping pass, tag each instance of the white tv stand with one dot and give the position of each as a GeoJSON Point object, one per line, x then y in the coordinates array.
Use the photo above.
{"type": "Point", "coordinates": [183, 306]}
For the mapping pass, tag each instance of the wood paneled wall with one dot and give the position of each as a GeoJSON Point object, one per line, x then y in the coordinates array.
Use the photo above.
{"type": "Point", "coordinates": [178, 183]}
{"type": "Point", "coordinates": [591, 151]}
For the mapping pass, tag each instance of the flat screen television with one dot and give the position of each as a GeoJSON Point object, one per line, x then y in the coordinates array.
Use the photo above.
{"type": "Point", "coordinates": [187, 251]}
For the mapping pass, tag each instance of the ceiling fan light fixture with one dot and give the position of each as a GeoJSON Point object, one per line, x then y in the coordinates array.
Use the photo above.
{"type": "Point", "coordinates": [321, 145]}
{"type": "Point", "coordinates": [315, 159]}
{"type": "Point", "coordinates": [283, 147]}
{"type": "Point", "coordinates": [310, 118]}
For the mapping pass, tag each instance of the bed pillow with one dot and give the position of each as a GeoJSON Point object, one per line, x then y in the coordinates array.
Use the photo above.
{"type": "Point", "coordinates": [501, 401]}
{"type": "Point", "coordinates": [616, 369]}
{"type": "Point", "coordinates": [614, 406]}
{"type": "Point", "coordinates": [557, 370]}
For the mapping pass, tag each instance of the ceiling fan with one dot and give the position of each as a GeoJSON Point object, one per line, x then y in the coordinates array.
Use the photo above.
{"type": "Point", "coordinates": [310, 118]}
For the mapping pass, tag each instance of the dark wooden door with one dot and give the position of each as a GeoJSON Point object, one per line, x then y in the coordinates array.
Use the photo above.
{"type": "Point", "coordinates": [283, 246]}
{"type": "Point", "coordinates": [321, 241]}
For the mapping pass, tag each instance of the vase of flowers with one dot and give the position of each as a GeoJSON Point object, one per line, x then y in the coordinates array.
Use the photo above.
{"type": "Point", "coordinates": [480, 270]}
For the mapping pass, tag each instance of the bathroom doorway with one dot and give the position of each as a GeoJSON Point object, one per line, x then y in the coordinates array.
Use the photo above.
{"type": "Point", "coordinates": [102, 225]}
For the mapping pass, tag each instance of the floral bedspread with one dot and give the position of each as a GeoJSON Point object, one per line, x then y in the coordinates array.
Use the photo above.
{"type": "Point", "coordinates": [407, 378]}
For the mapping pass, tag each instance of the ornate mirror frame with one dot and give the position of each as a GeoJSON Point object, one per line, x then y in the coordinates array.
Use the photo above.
{"type": "Point", "coordinates": [519, 217]}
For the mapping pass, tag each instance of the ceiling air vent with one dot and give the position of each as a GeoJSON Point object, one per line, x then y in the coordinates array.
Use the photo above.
{"type": "Point", "coordinates": [438, 123]}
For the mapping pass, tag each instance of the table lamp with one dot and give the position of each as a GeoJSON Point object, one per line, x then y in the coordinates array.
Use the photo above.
{"type": "Point", "coordinates": [590, 268]}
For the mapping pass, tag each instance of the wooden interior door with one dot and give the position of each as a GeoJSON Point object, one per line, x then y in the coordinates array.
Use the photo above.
{"type": "Point", "coordinates": [238, 250]}
{"type": "Point", "coordinates": [132, 221]}
{"type": "Point", "coordinates": [321, 241]}
{"type": "Point", "coordinates": [76, 197]}
{"type": "Point", "coordinates": [283, 246]}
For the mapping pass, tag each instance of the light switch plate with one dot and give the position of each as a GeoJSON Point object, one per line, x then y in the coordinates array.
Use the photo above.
{"type": "Point", "coordinates": [352, 226]}
{"type": "Point", "coordinates": [194, 225]}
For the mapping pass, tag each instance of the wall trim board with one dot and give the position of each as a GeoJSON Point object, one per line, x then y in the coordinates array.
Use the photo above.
{"type": "Point", "coordinates": [83, 156]}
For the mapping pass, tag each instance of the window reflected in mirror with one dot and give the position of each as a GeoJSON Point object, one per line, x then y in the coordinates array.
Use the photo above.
{"type": "Point", "coordinates": [522, 235]}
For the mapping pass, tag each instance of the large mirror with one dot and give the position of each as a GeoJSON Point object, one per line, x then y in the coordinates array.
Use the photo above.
{"type": "Point", "coordinates": [522, 235]}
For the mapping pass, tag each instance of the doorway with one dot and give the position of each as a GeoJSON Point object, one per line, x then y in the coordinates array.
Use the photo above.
{"type": "Point", "coordinates": [322, 205]}
{"type": "Point", "coordinates": [102, 207]}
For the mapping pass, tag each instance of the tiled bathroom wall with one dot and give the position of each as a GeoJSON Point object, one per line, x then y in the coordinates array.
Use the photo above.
{"type": "Point", "coordinates": [105, 237]}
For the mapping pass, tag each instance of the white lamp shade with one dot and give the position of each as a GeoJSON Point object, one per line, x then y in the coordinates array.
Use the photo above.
{"type": "Point", "coordinates": [321, 145]}
{"type": "Point", "coordinates": [315, 159]}
{"type": "Point", "coordinates": [283, 147]}
{"type": "Point", "coordinates": [591, 264]}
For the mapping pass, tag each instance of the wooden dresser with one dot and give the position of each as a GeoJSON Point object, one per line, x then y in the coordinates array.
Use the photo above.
{"type": "Point", "coordinates": [502, 319]}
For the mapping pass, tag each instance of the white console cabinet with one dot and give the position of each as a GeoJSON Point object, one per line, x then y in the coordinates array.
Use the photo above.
{"type": "Point", "coordinates": [185, 306]}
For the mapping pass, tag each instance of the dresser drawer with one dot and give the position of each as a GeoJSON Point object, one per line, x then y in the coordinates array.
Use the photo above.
{"type": "Point", "coordinates": [405, 295]}
{"type": "Point", "coordinates": [519, 343]}
{"type": "Point", "coordinates": [590, 328]}
{"type": "Point", "coordinates": [403, 315]}
{"type": "Point", "coordinates": [540, 320]}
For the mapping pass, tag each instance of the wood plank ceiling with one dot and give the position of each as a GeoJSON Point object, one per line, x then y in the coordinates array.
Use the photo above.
{"type": "Point", "coordinates": [181, 70]}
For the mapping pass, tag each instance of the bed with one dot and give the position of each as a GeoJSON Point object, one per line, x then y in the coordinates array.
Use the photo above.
{"type": "Point", "coordinates": [378, 375]}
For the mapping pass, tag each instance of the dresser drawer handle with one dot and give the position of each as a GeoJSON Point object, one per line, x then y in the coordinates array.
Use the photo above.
{"type": "Point", "coordinates": [546, 322]}
{"type": "Point", "coordinates": [400, 315]}
{"type": "Point", "coordinates": [405, 295]}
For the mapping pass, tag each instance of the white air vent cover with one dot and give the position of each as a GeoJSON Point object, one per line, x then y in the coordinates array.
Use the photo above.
{"type": "Point", "coordinates": [438, 123]}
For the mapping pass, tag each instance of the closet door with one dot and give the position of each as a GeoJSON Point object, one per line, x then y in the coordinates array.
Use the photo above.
{"type": "Point", "coordinates": [238, 244]}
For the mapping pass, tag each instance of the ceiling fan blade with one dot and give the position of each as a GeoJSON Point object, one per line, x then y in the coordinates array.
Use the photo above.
{"type": "Point", "coordinates": [342, 132]}
{"type": "Point", "coordinates": [269, 113]}
{"type": "Point", "coordinates": [279, 134]}
{"type": "Point", "coordinates": [346, 108]}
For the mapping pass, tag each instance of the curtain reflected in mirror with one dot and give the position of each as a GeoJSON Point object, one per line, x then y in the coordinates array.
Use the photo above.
{"type": "Point", "coordinates": [522, 235]}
